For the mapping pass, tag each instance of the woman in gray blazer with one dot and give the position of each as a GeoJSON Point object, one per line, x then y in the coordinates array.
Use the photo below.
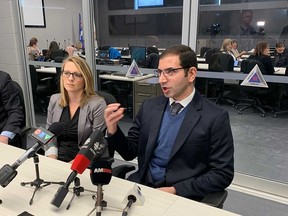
{"type": "Point", "coordinates": [77, 106]}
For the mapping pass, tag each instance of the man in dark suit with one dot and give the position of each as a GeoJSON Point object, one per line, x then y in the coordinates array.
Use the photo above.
{"type": "Point", "coordinates": [190, 153]}
{"type": "Point", "coordinates": [11, 112]}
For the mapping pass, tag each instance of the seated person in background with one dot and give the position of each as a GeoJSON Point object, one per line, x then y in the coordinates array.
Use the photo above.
{"type": "Point", "coordinates": [280, 55]}
{"type": "Point", "coordinates": [77, 106]}
{"type": "Point", "coordinates": [190, 153]}
{"type": "Point", "coordinates": [52, 47]}
{"type": "Point", "coordinates": [235, 51]}
{"type": "Point", "coordinates": [73, 50]}
{"type": "Point", "coordinates": [227, 48]}
{"type": "Point", "coordinates": [11, 112]}
{"type": "Point", "coordinates": [33, 50]}
{"type": "Point", "coordinates": [261, 53]}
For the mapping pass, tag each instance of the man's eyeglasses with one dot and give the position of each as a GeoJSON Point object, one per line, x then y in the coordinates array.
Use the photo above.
{"type": "Point", "coordinates": [75, 75]}
{"type": "Point", "coordinates": [168, 72]}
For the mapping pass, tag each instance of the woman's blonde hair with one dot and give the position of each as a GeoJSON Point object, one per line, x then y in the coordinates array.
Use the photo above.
{"type": "Point", "coordinates": [78, 45]}
{"type": "Point", "coordinates": [85, 70]}
{"type": "Point", "coordinates": [225, 43]}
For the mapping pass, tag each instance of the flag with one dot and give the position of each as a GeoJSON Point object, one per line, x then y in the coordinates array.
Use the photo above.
{"type": "Point", "coordinates": [81, 36]}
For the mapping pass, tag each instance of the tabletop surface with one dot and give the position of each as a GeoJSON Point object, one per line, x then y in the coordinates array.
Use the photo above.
{"type": "Point", "coordinates": [16, 197]}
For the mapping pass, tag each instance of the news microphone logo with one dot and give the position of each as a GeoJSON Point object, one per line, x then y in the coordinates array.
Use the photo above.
{"type": "Point", "coordinates": [102, 170]}
{"type": "Point", "coordinates": [42, 135]}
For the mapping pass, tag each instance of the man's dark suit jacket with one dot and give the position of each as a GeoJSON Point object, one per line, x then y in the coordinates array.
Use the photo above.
{"type": "Point", "coordinates": [11, 112]}
{"type": "Point", "coordinates": [201, 159]}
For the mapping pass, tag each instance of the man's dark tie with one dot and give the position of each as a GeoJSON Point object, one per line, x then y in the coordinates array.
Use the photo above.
{"type": "Point", "coordinates": [175, 108]}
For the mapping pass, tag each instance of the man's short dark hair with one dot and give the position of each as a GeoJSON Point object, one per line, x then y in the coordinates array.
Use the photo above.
{"type": "Point", "coordinates": [186, 55]}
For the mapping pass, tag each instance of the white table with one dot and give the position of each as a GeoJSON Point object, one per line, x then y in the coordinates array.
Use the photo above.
{"type": "Point", "coordinates": [124, 78]}
{"type": "Point", "coordinates": [51, 70]}
{"type": "Point", "coordinates": [278, 70]}
{"type": "Point", "coordinates": [16, 197]}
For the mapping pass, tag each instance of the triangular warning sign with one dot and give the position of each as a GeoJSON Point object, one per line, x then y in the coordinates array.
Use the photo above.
{"type": "Point", "coordinates": [255, 78]}
{"type": "Point", "coordinates": [133, 70]}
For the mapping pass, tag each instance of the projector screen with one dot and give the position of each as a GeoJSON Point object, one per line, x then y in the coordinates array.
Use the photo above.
{"type": "Point", "coordinates": [33, 13]}
{"type": "Point", "coordinates": [150, 3]}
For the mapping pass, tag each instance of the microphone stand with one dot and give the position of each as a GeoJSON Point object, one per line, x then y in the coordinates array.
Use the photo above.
{"type": "Point", "coordinates": [38, 181]}
{"type": "Point", "coordinates": [77, 189]}
{"type": "Point", "coordinates": [100, 203]}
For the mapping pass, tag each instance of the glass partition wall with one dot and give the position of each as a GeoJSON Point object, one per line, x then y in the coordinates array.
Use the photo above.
{"type": "Point", "coordinates": [260, 148]}
{"type": "Point", "coordinates": [47, 45]}
{"type": "Point", "coordinates": [120, 25]}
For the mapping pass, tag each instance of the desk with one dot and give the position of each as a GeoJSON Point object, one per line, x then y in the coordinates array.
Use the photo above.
{"type": "Point", "coordinates": [50, 70]}
{"type": "Point", "coordinates": [124, 78]}
{"type": "Point", "coordinates": [123, 89]}
{"type": "Point", "coordinates": [16, 197]}
{"type": "Point", "coordinates": [278, 70]}
{"type": "Point", "coordinates": [201, 60]}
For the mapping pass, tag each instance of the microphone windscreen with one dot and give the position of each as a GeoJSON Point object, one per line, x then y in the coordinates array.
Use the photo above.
{"type": "Point", "coordinates": [80, 163]}
{"type": "Point", "coordinates": [94, 146]}
{"type": "Point", "coordinates": [101, 172]}
{"type": "Point", "coordinates": [57, 128]}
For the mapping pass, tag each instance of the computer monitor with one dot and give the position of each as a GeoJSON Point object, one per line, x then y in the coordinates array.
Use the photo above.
{"type": "Point", "coordinates": [150, 3]}
{"type": "Point", "coordinates": [138, 54]}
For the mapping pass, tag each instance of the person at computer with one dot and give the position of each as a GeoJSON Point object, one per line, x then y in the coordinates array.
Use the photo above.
{"type": "Point", "coordinates": [280, 55]}
{"type": "Point", "coordinates": [235, 50]}
{"type": "Point", "coordinates": [52, 47]}
{"type": "Point", "coordinates": [227, 48]}
{"type": "Point", "coordinates": [11, 111]}
{"type": "Point", "coordinates": [74, 50]}
{"type": "Point", "coordinates": [77, 106]}
{"type": "Point", "coordinates": [190, 153]}
{"type": "Point", "coordinates": [33, 50]}
{"type": "Point", "coordinates": [262, 54]}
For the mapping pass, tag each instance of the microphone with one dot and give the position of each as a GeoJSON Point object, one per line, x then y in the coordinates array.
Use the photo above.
{"type": "Point", "coordinates": [100, 174]}
{"type": "Point", "coordinates": [93, 148]}
{"type": "Point", "coordinates": [42, 136]}
{"type": "Point", "coordinates": [135, 196]}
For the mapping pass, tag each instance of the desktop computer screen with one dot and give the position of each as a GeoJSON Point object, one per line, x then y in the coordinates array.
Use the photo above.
{"type": "Point", "coordinates": [139, 55]}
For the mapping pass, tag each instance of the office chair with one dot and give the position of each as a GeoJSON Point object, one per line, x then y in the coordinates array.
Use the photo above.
{"type": "Point", "coordinates": [60, 52]}
{"type": "Point", "coordinates": [58, 59]}
{"type": "Point", "coordinates": [152, 50]}
{"type": "Point", "coordinates": [282, 106]}
{"type": "Point", "coordinates": [22, 137]}
{"type": "Point", "coordinates": [41, 89]}
{"type": "Point", "coordinates": [252, 95]}
{"type": "Point", "coordinates": [44, 52]}
{"type": "Point", "coordinates": [121, 170]}
{"type": "Point", "coordinates": [152, 61]}
{"type": "Point", "coordinates": [203, 51]}
{"type": "Point", "coordinates": [220, 62]}
{"type": "Point", "coordinates": [210, 52]}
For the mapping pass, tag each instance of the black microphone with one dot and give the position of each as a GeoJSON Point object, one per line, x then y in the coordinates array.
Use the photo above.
{"type": "Point", "coordinates": [131, 199]}
{"type": "Point", "coordinates": [93, 148]}
{"type": "Point", "coordinates": [135, 196]}
{"type": "Point", "coordinates": [42, 136]}
{"type": "Point", "coordinates": [100, 174]}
